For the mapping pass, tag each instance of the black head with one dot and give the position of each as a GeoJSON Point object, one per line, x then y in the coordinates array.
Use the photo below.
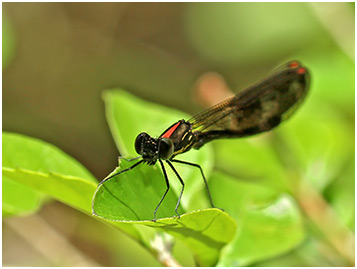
{"type": "Point", "coordinates": [152, 149]}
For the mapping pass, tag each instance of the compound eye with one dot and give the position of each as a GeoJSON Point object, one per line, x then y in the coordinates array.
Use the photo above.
{"type": "Point", "coordinates": [139, 142]}
{"type": "Point", "coordinates": [166, 148]}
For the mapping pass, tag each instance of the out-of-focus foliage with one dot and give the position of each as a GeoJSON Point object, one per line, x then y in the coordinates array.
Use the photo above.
{"type": "Point", "coordinates": [269, 223]}
{"type": "Point", "coordinates": [250, 32]}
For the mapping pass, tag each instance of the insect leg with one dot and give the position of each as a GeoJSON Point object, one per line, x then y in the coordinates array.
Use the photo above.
{"type": "Point", "coordinates": [122, 171]}
{"type": "Point", "coordinates": [167, 189]}
{"type": "Point", "coordinates": [182, 183]}
{"type": "Point", "coordinates": [203, 176]}
{"type": "Point", "coordinates": [129, 160]}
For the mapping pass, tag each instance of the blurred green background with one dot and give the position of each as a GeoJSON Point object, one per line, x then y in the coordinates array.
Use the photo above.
{"type": "Point", "coordinates": [59, 57]}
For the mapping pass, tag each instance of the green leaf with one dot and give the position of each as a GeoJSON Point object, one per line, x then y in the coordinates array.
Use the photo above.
{"type": "Point", "coordinates": [204, 231]}
{"type": "Point", "coordinates": [32, 168]}
{"type": "Point", "coordinates": [30, 200]}
{"type": "Point", "coordinates": [342, 192]}
{"type": "Point", "coordinates": [308, 254]}
{"type": "Point", "coordinates": [269, 222]}
{"type": "Point", "coordinates": [251, 159]}
{"type": "Point", "coordinates": [132, 197]}
{"type": "Point", "coordinates": [20, 151]}
{"type": "Point", "coordinates": [319, 144]}
{"type": "Point", "coordinates": [74, 191]}
{"type": "Point", "coordinates": [29, 162]}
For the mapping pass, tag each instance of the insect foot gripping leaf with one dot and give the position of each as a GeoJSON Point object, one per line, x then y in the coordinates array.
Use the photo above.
{"type": "Point", "coordinates": [133, 195]}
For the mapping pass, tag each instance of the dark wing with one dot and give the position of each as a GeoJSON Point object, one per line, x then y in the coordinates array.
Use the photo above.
{"type": "Point", "coordinates": [256, 109]}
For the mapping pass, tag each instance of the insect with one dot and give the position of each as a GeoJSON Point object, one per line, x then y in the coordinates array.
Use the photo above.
{"type": "Point", "coordinates": [257, 109]}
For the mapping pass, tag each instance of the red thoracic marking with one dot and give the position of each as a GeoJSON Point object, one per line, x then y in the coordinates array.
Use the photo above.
{"type": "Point", "coordinates": [170, 131]}
{"type": "Point", "coordinates": [301, 71]}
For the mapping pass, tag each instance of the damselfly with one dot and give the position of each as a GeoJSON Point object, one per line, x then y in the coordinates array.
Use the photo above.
{"type": "Point", "coordinates": [257, 109]}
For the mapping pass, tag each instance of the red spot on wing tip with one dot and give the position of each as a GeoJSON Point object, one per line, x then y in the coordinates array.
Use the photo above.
{"type": "Point", "coordinates": [301, 71]}
{"type": "Point", "coordinates": [170, 131]}
{"type": "Point", "coordinates": [294, 64]}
